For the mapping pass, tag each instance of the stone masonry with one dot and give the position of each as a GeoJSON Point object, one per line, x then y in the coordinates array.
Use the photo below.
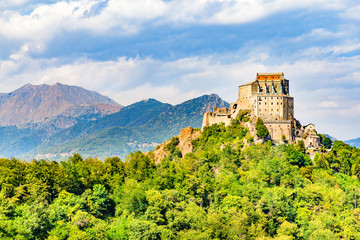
{"type": "Point", "coordinates": [268, 98]}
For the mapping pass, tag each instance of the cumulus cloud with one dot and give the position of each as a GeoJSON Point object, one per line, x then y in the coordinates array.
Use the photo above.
{"type": "Point", "coordinates": [328, 104]}
{"type": "Point", "coordinates": [46, 21]}
{"type": "Point", "coordinates": [325, 91]}
{"type": "Point", "coordinates": [5, 4]}
{"type": "Point", "coordinates": [352, 12]}
{"type": "Point", "coordinates": [324, 77]}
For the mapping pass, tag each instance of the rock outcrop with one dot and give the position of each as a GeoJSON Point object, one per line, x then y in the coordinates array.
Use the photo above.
{"type": "Point", "coordinates": [187, 135]}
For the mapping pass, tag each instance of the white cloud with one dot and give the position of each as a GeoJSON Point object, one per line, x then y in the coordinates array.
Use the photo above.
{"type": "Point", "coordinates": [4, 4]}
{"type": "Point", "coordinates": [328, 104]}
{"type": "Point", "coordinates": [353, 12]}
{"type": "Point", "coordinates": [325, 90]}
{"type": "Point", "coordinates": [46, 21]}
{"type": "Point", "coordinates": [322, 34]}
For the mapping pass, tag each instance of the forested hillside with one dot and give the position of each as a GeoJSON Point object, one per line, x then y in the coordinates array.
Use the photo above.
{"type": "Point", "coordinates": [91, 129]}
{"type": "Point", "coordinates": [227, 188]}
{"type": "Point", "coordinates": [139, 126]}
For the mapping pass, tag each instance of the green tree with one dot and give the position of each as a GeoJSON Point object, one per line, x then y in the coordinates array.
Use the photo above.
{"type": "Point", "coordinates": [35, 221]}
{"type": "Point", "coordinates": [261, 129]}
{"type": "Point", "coordinates": [130, 197]}
{"type": "Point", "coordinates": [300, 146]}
{"type": "Point", "coordinates": [98, 202]}
{"type": "Point", "coordinates": [139, 166]}
{"type": "Point", "coordinates": [327, 143]}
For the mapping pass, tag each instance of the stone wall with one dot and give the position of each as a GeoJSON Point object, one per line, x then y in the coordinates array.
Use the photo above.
{"type": "Point", "coordinates": [245, 99]}
{"type": "Point", "coordinates": [274, 107]}
{"type": "Point", "coordinates": [278, 129]}
{"type": "Point", "coordinates": [267, 97]}
{"type": "Point", "coordinates": [211, 118]}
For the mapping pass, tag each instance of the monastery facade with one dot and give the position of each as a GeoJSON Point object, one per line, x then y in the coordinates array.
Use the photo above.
{"type": "Point", "coordinates": [268, 98]}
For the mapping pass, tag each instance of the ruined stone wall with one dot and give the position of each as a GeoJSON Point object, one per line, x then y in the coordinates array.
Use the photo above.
{"type": "Point", "coordinates": [221, 111]}
{"type": "Point", "coordinates": [211, 118]}
{"type": "Point", "coordinates": [278, 129]}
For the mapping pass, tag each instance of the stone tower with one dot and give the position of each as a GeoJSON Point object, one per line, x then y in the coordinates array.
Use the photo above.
{"type": "Point", "coordinates": [268, 98]}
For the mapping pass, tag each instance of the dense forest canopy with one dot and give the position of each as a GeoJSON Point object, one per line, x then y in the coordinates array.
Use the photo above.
{"type": "Point", "coordinates": [227, 188]}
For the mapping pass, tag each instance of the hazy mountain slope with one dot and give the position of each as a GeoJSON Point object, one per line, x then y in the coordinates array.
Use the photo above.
{"type": "Point", "coordinates": [133, 115]}
{"type": "Point", "coordinates": [33, 113]}
{"type": "Point", "coordinates": [140, 126]}
{"type": "Point", "coordinates": [36, 104]}
{"type": "Point", "coordinates": [354, 142]}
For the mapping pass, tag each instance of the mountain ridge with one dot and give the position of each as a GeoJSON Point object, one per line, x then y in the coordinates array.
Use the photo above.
{"type": "Point", "coordinates": [47, 120]}
{"type": "Point", "coordinates": [131, 128]}
{"type": "Point", "coordinates": [353, 142]}
{"type": "Point", "coordinates": [33, 104]}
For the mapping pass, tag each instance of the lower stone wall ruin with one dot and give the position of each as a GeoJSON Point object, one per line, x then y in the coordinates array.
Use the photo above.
{"type": "Point", "coordinates": [211, 118]}
{"type": "Point", "coordinates": [278, 129]}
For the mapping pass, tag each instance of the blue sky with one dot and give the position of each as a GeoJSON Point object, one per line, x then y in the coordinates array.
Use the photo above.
{"type": "Point", "coordinates": [176, 50]}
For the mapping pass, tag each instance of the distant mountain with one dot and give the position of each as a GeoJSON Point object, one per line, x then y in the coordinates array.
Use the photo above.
{"type": "Point", "coordinates": [140, 126]}
{"type": "Point", "coordinates": [331, 137]}
{"type": "Point", "coordinates": [58, 106]}
{"type": "Point", "coordinates": [32, 113]}
{"type": "Point", "coordinates": [354, 142]}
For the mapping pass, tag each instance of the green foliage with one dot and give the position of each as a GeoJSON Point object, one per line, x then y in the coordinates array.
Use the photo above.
{"type": "Point", "coordinates": [327, 143]}
{"type": "Point", "coordinates": [172, 147]}
{"type": "Point", "coordinates": [300, 146]}
{"type": "Point", "coordinates": [222, 190]}
{"type": "Point", "coordinates": [98, 201]}
{"type": "Point", "coordinates": [139, 166]}
{"type": "Point", "coordinates": [261, 129]}
{"type": "Point", "coordinates": [136, 127]}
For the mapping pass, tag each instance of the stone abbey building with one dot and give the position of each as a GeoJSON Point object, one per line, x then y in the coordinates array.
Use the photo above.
{"type": "Point", "coordinates": [268, 98]}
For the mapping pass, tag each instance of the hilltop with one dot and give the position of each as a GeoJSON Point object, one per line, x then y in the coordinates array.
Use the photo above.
{"type": "Point", "coordinates": [223, 187]}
